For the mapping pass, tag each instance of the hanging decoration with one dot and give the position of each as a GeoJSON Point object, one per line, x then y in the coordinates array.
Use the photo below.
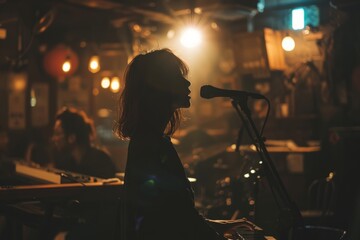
{"type": "Point", "coordinates": [60, 62]}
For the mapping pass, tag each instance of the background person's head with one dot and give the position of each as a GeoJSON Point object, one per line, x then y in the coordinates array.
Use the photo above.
{"type": "Point", "coordinates": [155, 89]}
{"type": "Point", "coordinates": [72, 128]}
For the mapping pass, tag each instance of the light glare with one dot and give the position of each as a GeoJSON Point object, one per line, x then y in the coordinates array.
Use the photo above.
{"type": "Point", "coordinates": [66, 66]}
{"type": "Point", "coordinates": [288, 43]}
{"type": "Point", "coordinates": [115, 84]}
{"type": "Point", "coordinates": [298, 18]}
{"type": "Point", "coordinates": [94, 65]}
{"type": "Point", "coordinates": [105, 82]}
{"type": "Point", "coordinates": [191, 38]}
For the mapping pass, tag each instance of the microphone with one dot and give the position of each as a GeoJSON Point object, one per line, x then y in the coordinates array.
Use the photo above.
{"type": "Point", "coordinates": [208, 91]}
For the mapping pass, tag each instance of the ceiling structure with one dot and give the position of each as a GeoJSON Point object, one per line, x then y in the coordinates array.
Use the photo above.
{"type": "Point", "coordinates": [99, 20]}
{"type": "Point", "coordinates": [85, 16]}
{"type": "Point", "coordinates": [82, 13]}
{"type": "Point", "coordinates": [166, 11]}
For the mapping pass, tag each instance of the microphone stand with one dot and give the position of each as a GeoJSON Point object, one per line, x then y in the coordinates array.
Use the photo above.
{"type": "Point", "coordinates": [239, 138]}
{"type": "Point", "coordinates": [290, 216]}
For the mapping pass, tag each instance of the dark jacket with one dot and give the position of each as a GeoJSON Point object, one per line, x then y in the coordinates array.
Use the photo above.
{"type": "Point", "coordinates": [159, 198]}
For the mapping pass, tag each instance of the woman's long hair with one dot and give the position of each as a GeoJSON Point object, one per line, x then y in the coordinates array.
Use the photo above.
{"type": "Point", "coordinates": [146, 101]}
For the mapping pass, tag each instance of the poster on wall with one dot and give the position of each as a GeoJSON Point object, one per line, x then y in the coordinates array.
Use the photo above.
{"type": "Point", "coordinates": [16, 110]}
{"type": "Point", "coordinates": [39, 101]}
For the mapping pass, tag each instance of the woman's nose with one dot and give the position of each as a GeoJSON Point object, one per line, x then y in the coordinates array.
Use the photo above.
{"type": "Point", "coordinates": [188, 83]}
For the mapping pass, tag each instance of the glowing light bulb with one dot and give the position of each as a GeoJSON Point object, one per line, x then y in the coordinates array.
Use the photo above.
{"type": "Point", "coordinates": [105, 82]}
{"type": "Point", "coordinates": [191, 38]}
{"type": "Point", "coordinates": [288, 44]}
{"type": "Point", "coordinates": [115, 84]}
{"type": "Point", "coordinates": [94, 64]}
{"type": "Point", "coordinates": [66, 66]}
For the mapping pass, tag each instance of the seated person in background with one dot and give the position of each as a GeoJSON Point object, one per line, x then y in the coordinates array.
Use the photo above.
{"type": "Point", "coordinates": [73, 151]}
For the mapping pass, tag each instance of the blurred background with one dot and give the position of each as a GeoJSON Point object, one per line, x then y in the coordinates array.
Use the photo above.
{"type": "Point", "coordinates": [303, 55]}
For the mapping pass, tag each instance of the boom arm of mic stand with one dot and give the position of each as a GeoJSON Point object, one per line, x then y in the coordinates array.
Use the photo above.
{"type": "Point", "coordinates": [239, 138]}
{"type": "Point", "coordinates": [234, 102]}
{"type": "Point", "coordinates": [271, 173]}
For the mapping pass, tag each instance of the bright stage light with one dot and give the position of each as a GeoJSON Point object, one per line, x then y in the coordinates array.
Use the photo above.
{"type": "Point", "coordinates": [191, 38]}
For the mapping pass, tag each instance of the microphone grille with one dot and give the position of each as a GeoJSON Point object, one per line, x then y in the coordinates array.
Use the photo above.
{"type": "Point", "coordinates": [206, 92]}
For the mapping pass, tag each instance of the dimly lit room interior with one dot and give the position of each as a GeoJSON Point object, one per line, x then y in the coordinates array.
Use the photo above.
{"type": "Point", "coordinates": [270, 140]}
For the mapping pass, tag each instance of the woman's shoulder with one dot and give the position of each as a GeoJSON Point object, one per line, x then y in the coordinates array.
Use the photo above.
{"type": "Point", "coordinates": [149, 148]}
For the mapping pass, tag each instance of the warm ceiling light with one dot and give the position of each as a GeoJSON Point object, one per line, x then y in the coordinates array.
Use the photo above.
{"type": "Point", "coordinates": [103, 112]}
{"type": "Point", "coordinates": [214, 26]}
{"type": "Point", "coordinates": [115, 84]}
{"type": "Point", "coordinates": [105, 82]}
{"type": "Point", "coordinates": [137, 28]}
{"type": "Point", "coordinates": [94, 64]}
{"type": "Point", "coordinates": [18, 83]}
{"type": "Point", "coordinates": [197, 10]}
{"type": "Point", "coordinates": [288, 43]}
{"type": "Point", "coordinates": [66, 67]}
{"type": "Point", "coordinates": [191, 37]}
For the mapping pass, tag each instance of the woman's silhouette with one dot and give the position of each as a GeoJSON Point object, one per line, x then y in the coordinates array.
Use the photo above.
{"type": "Point", "coordinates": [159, 198]}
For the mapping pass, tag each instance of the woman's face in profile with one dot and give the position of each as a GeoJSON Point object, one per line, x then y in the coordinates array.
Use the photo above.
{"type": "Point", "coordinates": [182, 93]}
{"type": "Point", "coordinates": [166, 77]}
{"type": "Point", "coordinates": [179, 87]}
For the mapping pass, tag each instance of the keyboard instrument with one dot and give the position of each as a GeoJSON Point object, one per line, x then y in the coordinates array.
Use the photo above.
{"type": "Point", "coordinates": [32, 182]}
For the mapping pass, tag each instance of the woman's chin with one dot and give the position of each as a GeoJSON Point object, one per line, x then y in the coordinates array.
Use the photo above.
{"type": "Point", "coordinates": [182, 105]}
{"type": "Point", "coordinates": [186, 104]}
